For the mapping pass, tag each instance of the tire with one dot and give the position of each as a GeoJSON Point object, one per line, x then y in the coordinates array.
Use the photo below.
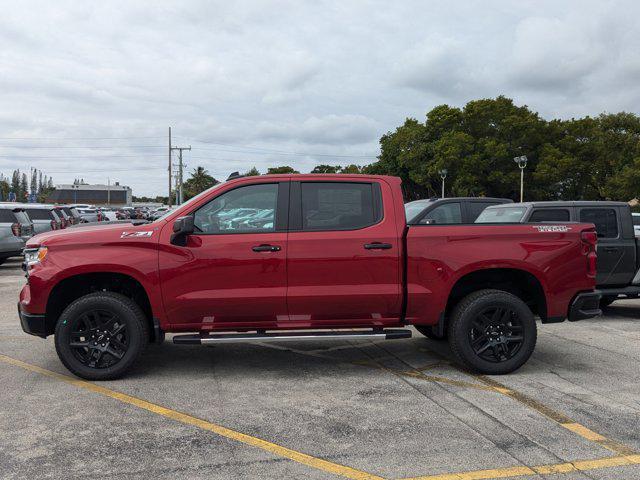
{"type": "Point", "coordinates": [607, 300]}
{"type": "Point", "coordinates": [109, 317]}
{"type": "Point", "coordinates": [492, 332]}
{"type": "Point", "coordinates": [429, 332]}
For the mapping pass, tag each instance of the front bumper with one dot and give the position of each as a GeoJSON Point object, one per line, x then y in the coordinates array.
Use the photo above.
{"type": "Point", "coordinates": [34, 324]}
{"type": "Point", "coordinates": [585, 305]}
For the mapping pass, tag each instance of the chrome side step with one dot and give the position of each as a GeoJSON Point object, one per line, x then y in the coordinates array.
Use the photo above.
{"type": "Point", "coordinates": [195, 339]}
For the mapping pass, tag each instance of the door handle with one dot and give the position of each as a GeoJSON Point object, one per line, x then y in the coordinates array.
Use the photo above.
{"type": "Point", "coordinates": [266, 248]}
{"type": "Point", "coordinates": [377, 246]}
{"type": "Point", "coordinates": [610, 249]}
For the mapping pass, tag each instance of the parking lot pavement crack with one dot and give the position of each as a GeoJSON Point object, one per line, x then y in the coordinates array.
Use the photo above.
{"type": "Point", "coordinates": [486, 414]}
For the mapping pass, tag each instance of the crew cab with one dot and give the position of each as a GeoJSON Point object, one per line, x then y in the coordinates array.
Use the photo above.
{"type": "Point", "coordinates": [618, 265]}
{"type": "Point", "coordinates": [338, 261]}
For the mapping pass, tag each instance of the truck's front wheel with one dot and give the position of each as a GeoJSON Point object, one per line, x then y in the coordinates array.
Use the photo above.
{"type": "Point", "coordinates": [99, 336]}
{"type": "Point", "coordinates": [492, 332]}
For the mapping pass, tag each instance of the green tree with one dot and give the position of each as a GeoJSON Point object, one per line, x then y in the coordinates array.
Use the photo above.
{"type": "Point", "coordinates": [281, 170]}
{"type": "Point", "coordinates": [252, 172]}
{"type": "Point", "coordinates": [351, 169]}
{"type": "Point", "coordinates": [326, 169]}
{"type": "Point", "coordinates": [198, 182]}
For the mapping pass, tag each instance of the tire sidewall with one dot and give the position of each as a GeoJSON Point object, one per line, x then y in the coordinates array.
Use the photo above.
{"type": "Point", "coordinates": [463, 323]}
{"type": "Point", "coordinates": [126, 313]}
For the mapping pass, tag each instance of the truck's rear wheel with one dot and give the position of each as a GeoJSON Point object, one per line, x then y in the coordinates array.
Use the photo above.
{"type": "Point", "coordinates": [492, 332]}
{"type": "Point", "coordinates": [429, 332]}
{"type": "Point", "coordinates": [101, 335]}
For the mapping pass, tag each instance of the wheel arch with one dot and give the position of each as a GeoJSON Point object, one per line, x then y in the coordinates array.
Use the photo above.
{"type": "Point", "coordinates": [75, 286]}
{"type": "Point", "coordinates": [521, 283]}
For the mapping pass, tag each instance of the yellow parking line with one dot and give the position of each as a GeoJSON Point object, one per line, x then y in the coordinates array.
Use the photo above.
{"type": "Point", "coordinates": [553, 469]}
{"type": "Point", "coordinates": [279, 450]}
{"type": "Point", "coordinates": [560, 418]}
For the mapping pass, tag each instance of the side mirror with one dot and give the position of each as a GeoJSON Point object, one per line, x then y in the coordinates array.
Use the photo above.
{"type": "Point", "coordinates": [182, 227]}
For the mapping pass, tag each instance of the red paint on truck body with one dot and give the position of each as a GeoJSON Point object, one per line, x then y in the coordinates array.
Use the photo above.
{"type": "Point", "coordinates": [318, 279]}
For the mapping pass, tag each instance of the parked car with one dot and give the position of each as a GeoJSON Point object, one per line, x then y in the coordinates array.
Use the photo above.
{"type": "Point", "coordinates": [448, 211]}
{"type": "Point", "coordinates": [72, 214]}
{"type": "Point", "coordinates": [636, 223]}
{"type": "Point", "coordinates": [43, 217]}
{"type": "Point", "coordinates": [618, 248]}
{"type": "Point", "coordinates": [15, 230]}
{"type": "Point", "coordinates": [65, 220]}
{"type": "Point", "coordinates": [107, 214]}
{"type": "Point", "coordinates": [87, 215]}
{"type": "Point", "coordinates": [361, 272]}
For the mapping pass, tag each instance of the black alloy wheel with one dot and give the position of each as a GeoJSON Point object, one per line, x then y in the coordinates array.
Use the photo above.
{"type": "Point", "coordinates": [99, 339]}
{"type": "Point", "coordinates": [496, 334]}
{"type": "Point", "coordinates": [101, 335]}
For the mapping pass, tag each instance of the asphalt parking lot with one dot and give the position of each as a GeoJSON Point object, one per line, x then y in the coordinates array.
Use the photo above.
{"type": "Point", "coordinates": [363, 410]}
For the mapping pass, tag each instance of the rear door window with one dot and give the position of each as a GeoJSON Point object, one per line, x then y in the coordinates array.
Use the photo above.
{"type": "Point", "coordinates": [605, 220]}
{"type": "Point", "coordinates": [39, 214]}
{"type": "Point", "coordinates": [7, 216]}
{"type": "Point", "coordinates": [338, 206]}
{"type": "Point", "coordinates": [550, 215]}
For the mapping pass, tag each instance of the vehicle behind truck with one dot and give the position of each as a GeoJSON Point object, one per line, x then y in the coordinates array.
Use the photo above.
{"type": "Point", "coordinates": [618, 246]}
{"type": "Point", "coordinates": [326, 257]}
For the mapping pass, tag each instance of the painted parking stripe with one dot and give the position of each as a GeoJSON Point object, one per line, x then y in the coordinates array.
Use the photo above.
{"type": "Point", "coordinates": [553, 469]}
{"type": "Point", "coordinates": [273, 448]}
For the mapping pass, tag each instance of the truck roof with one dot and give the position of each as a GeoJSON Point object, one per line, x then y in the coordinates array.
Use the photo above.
{"type": "Point", "coordinates": [571, 203]}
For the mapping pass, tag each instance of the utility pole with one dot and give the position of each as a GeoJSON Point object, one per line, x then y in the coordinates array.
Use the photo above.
{"type": "Point", "coordinates": [108, 191]}
{"type": "Point", "coordinates": [179, 193]}
{"type": "Point", "coordinates": [170, 150]}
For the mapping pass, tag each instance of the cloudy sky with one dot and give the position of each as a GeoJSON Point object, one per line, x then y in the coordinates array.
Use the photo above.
{"type": "Point", "coordinates": [88, 89]}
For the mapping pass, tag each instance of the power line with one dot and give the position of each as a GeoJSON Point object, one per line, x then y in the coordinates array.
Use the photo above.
{"type": "Point", "coordinates": [76, 138]}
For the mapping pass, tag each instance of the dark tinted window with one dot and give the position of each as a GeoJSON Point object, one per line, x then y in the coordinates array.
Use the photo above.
{"type": "Point", "coordinates": [39, 214]}
{"type": "Point", "coordinates": [246, 209]}
{"type": "Point", "coordinates": [476, 208]}
{"type": "Point", "coordinates": [7, 216]}
{"type": "Point", "coordinates": [550, 215]}
{"type": "Point", "coordinates": [443, 214]}
{"type": "Point", "coordinates": [337, 206]}
{"type": "Point", "coordinates": [604, 219]}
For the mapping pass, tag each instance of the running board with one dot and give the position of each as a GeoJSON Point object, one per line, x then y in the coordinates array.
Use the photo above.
{"type": "Point", "coordinates": [195, 339]}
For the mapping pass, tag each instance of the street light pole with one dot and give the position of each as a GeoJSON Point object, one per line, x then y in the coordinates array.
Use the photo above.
{"type": "Point", "coordinates": [522, 163]}
{"type": "Point", "coordinates": [443, 175]}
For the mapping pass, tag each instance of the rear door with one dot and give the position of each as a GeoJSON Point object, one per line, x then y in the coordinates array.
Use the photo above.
{"type": "Point", "coordinates": [343, 258]}
{"type": "Point", "coordinates": [616, 253]}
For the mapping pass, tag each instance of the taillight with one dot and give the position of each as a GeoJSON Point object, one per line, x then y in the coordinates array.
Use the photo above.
{"type": "Point", "coordinates": [589, 248]}
{"type": "Point", "coordinates": [16, 228]}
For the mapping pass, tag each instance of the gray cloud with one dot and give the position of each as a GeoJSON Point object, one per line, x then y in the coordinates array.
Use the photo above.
{"type": "Point", "coordinates": [312, 79]}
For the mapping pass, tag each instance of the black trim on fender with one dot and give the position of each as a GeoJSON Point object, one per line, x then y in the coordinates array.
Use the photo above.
{"type": "Point", "coordinates": [34, 324]}
{"type": "Point", "coordinates": [585, 305]}
{"type": "Point", "coordinates": [158, 334]}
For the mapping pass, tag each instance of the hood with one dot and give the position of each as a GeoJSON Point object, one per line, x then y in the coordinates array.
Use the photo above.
{"type": "Point", "coordinates": [121, 232]}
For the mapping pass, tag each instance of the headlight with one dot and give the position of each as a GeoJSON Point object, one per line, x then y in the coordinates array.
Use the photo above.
{"type": "Point", "coordinates": [33, 256]}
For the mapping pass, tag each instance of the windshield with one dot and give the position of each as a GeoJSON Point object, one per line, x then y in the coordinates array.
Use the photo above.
{"type": "Point", "coordinates": [413, 209]}
{"type": "Point", "coordinates": [502, 215]}
{"type": "Point", "coordinates": [189, 202]}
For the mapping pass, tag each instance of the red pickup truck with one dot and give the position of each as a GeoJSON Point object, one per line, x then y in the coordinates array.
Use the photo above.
{"type": "Point", "coordinates": [294, 257]}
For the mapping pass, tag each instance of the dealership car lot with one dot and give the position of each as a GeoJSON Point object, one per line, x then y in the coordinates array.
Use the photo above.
{"type": "Point", "coordinates": [396, 409]}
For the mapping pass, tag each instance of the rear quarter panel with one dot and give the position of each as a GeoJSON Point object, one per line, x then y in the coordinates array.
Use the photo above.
{"type": "Point", "coordinates": [439, 256]}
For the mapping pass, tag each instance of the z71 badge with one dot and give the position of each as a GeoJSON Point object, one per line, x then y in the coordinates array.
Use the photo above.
{"type": "Point", "coordinates": [136, 234]}
{"type": "Point", "coordinates": [552, 228]}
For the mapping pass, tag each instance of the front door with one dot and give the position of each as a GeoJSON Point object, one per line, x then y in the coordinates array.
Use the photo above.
{"type": "Point", "coordinates": [232, 271]}
{"type": "Point", "coordinates": [343, 255]}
